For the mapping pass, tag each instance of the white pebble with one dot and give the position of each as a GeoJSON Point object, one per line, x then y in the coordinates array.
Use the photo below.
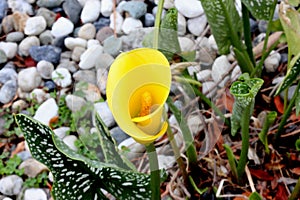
{"type": "Point", "coordinates": [181, 21]}
{"type": "Point", "coordinates": [272, 61]}
{"type": "Point", "coordinates": [190, 8]}
{"type": "Point", "coordinates": [87, 31]}
{"type": "Point", "coordinates": [197, 25]}
{"type": "Point", "coordinates": [220, 68]}
{"type": "Point", "coordinates": [45, 69]}
{"type": "Point", "coordinates": [186, 44]}
{"type": "Point", "coordinates": [46, 111]}
{"type": "Point", "coordinates": [119, 21]}
{"type": "Point", "coordinates": [90, 56]}
{"type": "Point", "coordinates": [62, 77]}
{"type": "Point", "coordinates": [9, 48]}
{"type": "Point", "coordinates": [106, 7]}
{"type": "Point", "coordinates": [71, 42]}
{"type": "Point", "coordinates": [90, 11]}
{"type": "Point", "coordinates": [62, 27]}
{"type": "Point", "coordinates": [35, 25]}
{"type": "Point", "coordinates": [131, 24]}
{"type": "Point", "coordinates": [25, 45]}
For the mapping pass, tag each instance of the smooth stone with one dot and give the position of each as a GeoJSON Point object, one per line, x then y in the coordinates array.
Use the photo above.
{"type": "Point", "coordinates": [10, 49]}
{"type": "Point", "coordinates": [197, 25]}
{"type": "Point", "coordinates": [35, 194]}
{"type": "Point", "coordinates": [189, 9]}
{"type": "Point", "coordinates": [72, 8]}
{"type": "Point", "coordinates": [284, 58]}
{"type": "Point", "coordinates": [76, 53]}
{"type": "Point", "coordinates": [235, 74]}
{"type": "Point", "coordinates": [87, 31]}
{"type": "Point", "coordinates": [136, 149]}
{"type": "Point", "coordinates": [186, 44]}
{"type": "Point", "coordinates": [118, 135]}
{"type": "Point", "coordinates": [262, 26]}
{"type": "Point", "coordinates": [20, 5]}
{"type": "Point", "coordinates": [136, 9]}
{"type": "Point", "coordinates": [3, 57]}
{"type": "Point", "coordinates": [62, 77]}
{"type": "Point", "coordinates": [39, 95]}
{"type": "Point", "coordinates": [102, 22]}
{"type": "Point", "coordinates": [272, 61]}
{"type": "Point", "coordinates": [88, 76]}
{"type": "Point", "coordinates": [116, 22]}
{"type": "Point", "coordinates": [104, 33]}
{"type": "Point", "coordinates": [71, 43]}
{"type": "Point", "coordinates": [45, 69]}
{"type": "Point", "coordinates": [19, 105]}
{"type": "Point", "coordinates": [75, 103]}
{"type": "Point", "coordinates": [220, 67]}
{"type": "Point", "coordinates": [90, 57]}
{"type": "Point", "coordinates": [48, 15]}
{"type": "Point", "coordinates": [212, 43]}
{"type": "Point", "coordinates": [49, 3]}
{"type": "Point", "coordinates": [209, 88]}
{"type": "Point", "coordinates": [167, 3]}
{"type": "Point", "coordinates": [134, 39]}
{"type": "Point", "coordinates": [32, 167]}
{"type": "Point", "coordinates": [3, 9]}
{"type": "Point", "coordinates": [91, 11]}
{"type": "Point", "coordinates": [181, 24]}
{"type": "Point", "coordinates": [26, 44]}
{"type": "Point", "coordinates": [46, 52]}
{"type": "Point", "coordinates": [253, 25]}
{"type": "Point", "coordinates": [7, 24]}
{"type": "Point", "coordinates": [8, 91]}
{"type": "Point", "coordinates": [112, 46]}
{"type": "Point", "coordinates": [91, 92]}
{"type": "Point", "coordinates": [102, 79]}
{"type": "Point", "coordinates": [130, 24]}
{"type": "Point", "coordinates": [19, 20]}
{"type": "Point", "coordinates": [149, 20]}
{"type": "Point", "coordinates": [69, 65]}
{"type": "Point", "coordinates": [154, 11]}
{"type": "Point", "coordinates": [107, 7]}
{"type": "Point", "coordinates": [62, 27]}
{"type": "Point", "coordinates": [59, 42]}
{"type": "Point", "coordinates": [14, 37]}
{"type": "Point", "coordinates": [93, 42]}
{"type": "Point", "coordinates": [104, 61]}
{"type": "Point", "coordinates": [204, 75]}
{"type": "Point", "coordinates": [28, 79]}
{"type": "Point", "coordinates": [46, 37]}
{"type": "Point", "coordinates": [70, 140]}
{"type": "Point", "coordinates": [7, 74]}
{"type": "Point", "coordinates": [49, 86]}
{"type": "Point", "coordinates": [165, 162]}
{"type": "Point", "coordinates": [46, 111]}
{"type": "Point", "coordinates": [104, 112]}
{"type": "Point", "coordinates": [35, 25]}
{"type": "Point", "coordinates": [61, 132]}
{"type": "Point", "coordinates": [291, 92]}
{"type": "Point", "coordinates": [24, 155]}
{"type": "Point", "coordinates": [11, 185]}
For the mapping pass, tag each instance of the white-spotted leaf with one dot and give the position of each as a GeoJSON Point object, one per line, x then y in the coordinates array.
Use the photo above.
{"type": "Point", "coordinates": [75, 176]}
{"type": "Point", "coordinates": [260, 9]}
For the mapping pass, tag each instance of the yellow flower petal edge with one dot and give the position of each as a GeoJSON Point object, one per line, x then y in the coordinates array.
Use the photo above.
{"type": "Point", "coordinates": [132, 75]}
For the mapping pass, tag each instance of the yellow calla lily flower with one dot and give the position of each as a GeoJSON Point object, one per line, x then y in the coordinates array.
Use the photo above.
{"type": "Point", "coordinates": [138, 85]}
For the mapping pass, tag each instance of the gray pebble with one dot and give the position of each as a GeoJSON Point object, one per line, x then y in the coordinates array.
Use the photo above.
{"type": "Point", "coordinates": [48, 15]}
{"type": "Point", "coordinates": [69, 65]}
{"type": "Point", "coordinates": [47, 52]}
{"type": "Point", "coordinates": [14, 37]}
{"type": "Point", "coordinates": [291, 92]}
{"type": "Point", "coordinates": [112, 46]}
{"type": "Point", "coordinates": [46, 37]}
{"type": "Point", "coordinates": [149, 20]}
{"type": "Point", "coordinates": [262, 26]}
{"type": "Point", "coordinates": [7, 74]}
{"type": "Point", "coordinates": [49, 3]}
{"type": "Point", "coordinates": [8, 91]}
{"type": "Point", "coordinates": [19, 105]}
{"type": "Point", "coordinates": [21, 6]}
{"type": "Point", "coordinates": [28, 79]}
{"type": "Point", "coordinates": [3, 9]}
{"type": "Point", "coordinates": [24, 155]}
{"type": "Point", "coordinates": [75, 103]}
{"type": "Point", "coordinates": [3, 57]}
{"type": "Point", "coordinates": [70, 140]}
{"type": "Point", "coordinates": [102, 22]}
{"type": "Point", "coordinates": [32, 167]}
{"type": "Point", "coordinates": [76, 53]}
{"type": "Point", "coordinates": [272, 61]}
{"type": "Point", "coordinates": [73, 9]}
{"type": "Point", "coordinates": [45, 69]}
{"type": "Point", "coordinates": [88, 76]}
{"type": "Point", "coordinates": [104, 33]}
{"type": "Point", "coordinates": [11, 185]}
{"type": "Point", "coordinates": [136, 9]}
{"type": "Point", "coordinates": [105, 113]}
{"type": "Point", "coordinates": [87, 31]}
{"type": "Point", "coordinates": [118, 135]}
{"type": "Point", "coordinates": [104, 61]}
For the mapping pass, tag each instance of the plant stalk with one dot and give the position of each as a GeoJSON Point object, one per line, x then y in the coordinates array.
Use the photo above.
{"type": "Point", "coordinates": [154, 174]}
{"type": "Point", "coordinates": [157, 23]}
{"type": "Point", "coordinates": [296, 192]}
{"type": "Point", "coordinates": [245, 142]}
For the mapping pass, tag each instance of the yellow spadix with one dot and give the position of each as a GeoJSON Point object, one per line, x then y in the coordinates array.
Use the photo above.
{"type": "Point", "coordinates": [138, 85]}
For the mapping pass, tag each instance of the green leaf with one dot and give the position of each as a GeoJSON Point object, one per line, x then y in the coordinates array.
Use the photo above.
{"type": "Point", "coordinates": [269, 120]}
{"type": "Point", "coordinates": [259, 9]}
{"type": "Point", "coordinates": [291, 74]}
{"type": "Point", "coordinates": [290, 22]}
{"type": "Point", "coordinates": [297, 144]}
{"type": "Point", "coordinates": [109, 147]}
{"type": "Point", "coordinates": [244, 92]}
{"type": "Point", "coordinates": [255, 196]}
{"type": "Point", "coordinates": [231, 159]}
{"type": "Point", "coordinates": [294, 2]}
{"type": "Point", "coordinates": [75, 176]}
{"type": "Point", "coordinates": [224, 22]}
{"type": "Point", "coordinates": [168, 42]}
{"type": "Point", "coordinates": [297, 103]}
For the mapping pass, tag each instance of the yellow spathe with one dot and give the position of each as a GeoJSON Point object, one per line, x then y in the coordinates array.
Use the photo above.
{"type": "Point", "coordinates": [132, 75]}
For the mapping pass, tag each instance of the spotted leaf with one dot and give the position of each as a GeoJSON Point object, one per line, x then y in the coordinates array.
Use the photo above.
{"type": "Point", "coordinates": [75, 176]}
{"type": "Point", "coordinates": [244, 92]}
{"type": "Point", "coordinates": [260, 9]}
{"type": "Point", "coordinates": [223, 19]}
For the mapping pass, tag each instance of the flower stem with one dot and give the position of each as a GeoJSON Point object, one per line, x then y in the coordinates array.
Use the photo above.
{"type": "Point", "coordinates": [154, 174]}
{"type": "Point", "coordinates": [157, 23]}
{"type": "Point", "coordinates": [247, 33]}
